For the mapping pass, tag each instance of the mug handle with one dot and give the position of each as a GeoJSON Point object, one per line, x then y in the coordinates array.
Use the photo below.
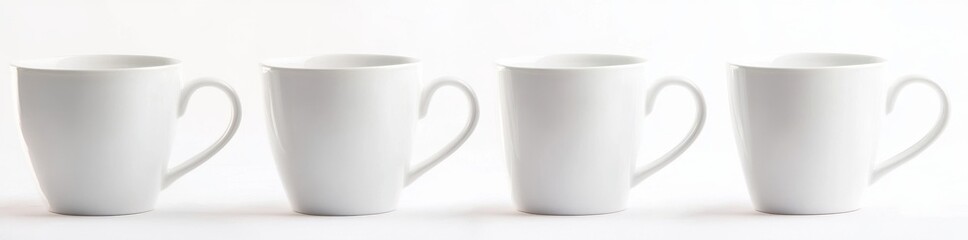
{"type": "Point", "coordinates": [428, 92]}
{"type": "Point", "coordinates": [903, 157]}
{"type": "Point", "coordinates": [186, 94]}
{"type": "Point", "coordinates": [644, 172]}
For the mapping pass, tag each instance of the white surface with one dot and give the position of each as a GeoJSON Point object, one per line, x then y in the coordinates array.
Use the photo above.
{"type": "Point", "coordinates": [702, 195]}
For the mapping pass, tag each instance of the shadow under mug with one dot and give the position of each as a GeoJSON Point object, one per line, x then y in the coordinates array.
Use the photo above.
{"type": "Point", "coordinates": [99, 129]}
{"type": "Point", "coordinates": [807, 127]}
{"type": "Point", "coordinates": [342, 127]}
{"type": "Point", "coordinates": [572, 128]}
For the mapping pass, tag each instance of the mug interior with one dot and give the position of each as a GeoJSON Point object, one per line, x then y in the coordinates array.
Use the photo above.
{"type": "Point", "coordinates": [96, 62]}
{"type": "Point", "coordinates": [339, 61]}
{"type": "Point", "coordinates": [570, 61]}
{"type": "Point", "coordinates": [809, 61]}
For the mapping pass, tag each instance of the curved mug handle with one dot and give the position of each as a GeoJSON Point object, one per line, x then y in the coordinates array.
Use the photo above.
{"type": "Point", "coordinates": [428, 92]}
{"type": "Point", "coordinates": [197, 160]}
{"type": "Point", "coordinates": [700, 119]}
{"type": "Point", "coordinates": [909, 153]}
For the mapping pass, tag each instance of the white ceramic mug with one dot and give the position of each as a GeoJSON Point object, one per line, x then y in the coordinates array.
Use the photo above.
{"type": "Point", "coordinates": [572, 125]}
{"type": "Point", "coordinates": [342, 129]}
{"type": "Point", "coordinates": [99, 129]}
{"type": "Point", "coordinates": [807, 126]}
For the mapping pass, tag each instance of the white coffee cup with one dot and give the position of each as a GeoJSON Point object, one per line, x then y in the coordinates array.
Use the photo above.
{"type": "Point", "coordinates": [572, 125]}
{"type": "Point", "coordinates": [342, 128]}
{"type": "Point", "coordinates": [99, 129]}
{"type": "Point", "coordinates": [807, 126]}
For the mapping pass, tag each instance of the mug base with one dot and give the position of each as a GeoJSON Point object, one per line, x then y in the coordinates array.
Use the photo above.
{"type": "Point", "coordinates": [806, 212]}
{"type": "Point", "coordinates": [548, 213]}
{"type": "Point", "coordinates": [331, 214]}
{"type": "Point", "coordinates": [95, 214]}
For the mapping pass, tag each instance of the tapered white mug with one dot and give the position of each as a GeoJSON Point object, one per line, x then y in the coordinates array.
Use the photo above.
{"type": "Point", "coordinates": [99, 129]}
{"type": "Point", "coordinates": [342, 129]}
{"type": "Point", "coordinates": [573, 127]}
{"type": "Point", "coordinates": [807, 126]}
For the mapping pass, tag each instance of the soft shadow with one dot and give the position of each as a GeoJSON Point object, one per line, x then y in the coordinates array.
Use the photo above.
{"type": "Point", "coordinates": [34, 209]}
{"type": "Point", "coordinates": [276, 210]}
{"type": "Point", "coordinates": [510, 212]}
{"type": "Point", "coordinates": [26, 209]}
{"type": "Point", "coordinates": [255, 210]}
{"type": "Point", "coordinates": [727, 211]}
{"type": "Point", "coordinates": [495, 211]}
{"type": "Point", "coordinates": [744, 210]}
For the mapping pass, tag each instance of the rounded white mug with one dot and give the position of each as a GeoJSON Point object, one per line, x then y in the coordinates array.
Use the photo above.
{"type": "Point", "coordinates": [572, 128]}
{"type": "Point", "coordinates": [342, 128]}
{"type": "Point", "coordinates": [807, 126]}
{"type": "Point", "coordinates": [99, 129]}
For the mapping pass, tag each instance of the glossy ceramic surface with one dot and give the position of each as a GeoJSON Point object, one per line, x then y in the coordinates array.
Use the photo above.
{"type": "Point", "coordinates": [572, 128]}
{"type": "Point", "coordinates": [807, 127]}
{"type": "Point", "coordinates": [342, 128]}
{"type": "Point", "coordinates": [99, 129]}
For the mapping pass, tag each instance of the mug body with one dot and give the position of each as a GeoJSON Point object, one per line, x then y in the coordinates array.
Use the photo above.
{"type": "Point", "coordinates": [807, 127]}
{"type": "Point", "coordinates": [341, 128]}
{"type": "Point", "coordinates": [98, 129]}
{"type": "Point", "coordinates": [570, 130]}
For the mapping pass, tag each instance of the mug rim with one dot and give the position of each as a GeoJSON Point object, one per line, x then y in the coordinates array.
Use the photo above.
{"type": "Point", "coordinates": [751, 61]}
{"type": "Point", "coordinates": [280, 62]}
{"type": "Point", "coordinates": [520, 61]}
{"type": "Point", "coordinates": [38, 64]}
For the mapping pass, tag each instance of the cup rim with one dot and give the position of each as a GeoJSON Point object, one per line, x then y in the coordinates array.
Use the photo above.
{"type": "Point", "coordinates": [752, 61]}
{"type": "Point", "coordinates": [520, 61]}
{"type": "Point", "coordinates": [39, 64]}
{"type": "Point", "coordinates": [280, 62]}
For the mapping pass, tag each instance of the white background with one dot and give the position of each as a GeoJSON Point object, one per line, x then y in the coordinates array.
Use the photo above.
{"type": "Point", "coordinates": [702, 195]}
